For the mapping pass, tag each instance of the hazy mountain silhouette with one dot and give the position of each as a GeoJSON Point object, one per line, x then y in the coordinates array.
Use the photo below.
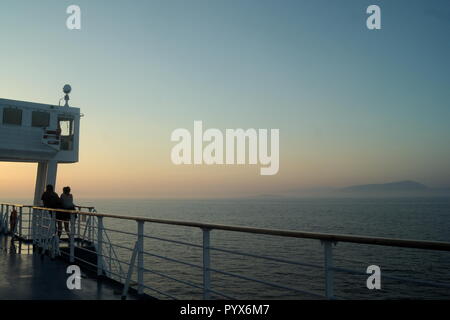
{"type": "Point", "coordinates": [405, 188]}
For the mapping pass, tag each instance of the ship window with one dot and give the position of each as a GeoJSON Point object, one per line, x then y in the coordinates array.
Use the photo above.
{"type": "Point", "coordinates": [40, 119]}
{"type": "Point", "coordinates": [65, 125]}
{"type": "Point", "coordinates": [12, 116]}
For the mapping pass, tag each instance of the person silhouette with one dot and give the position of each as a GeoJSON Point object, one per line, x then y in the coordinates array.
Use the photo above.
{"type": "Point", "coordinates": [51, 200]}
{"type": "Point", "coordinates": [66, 204]}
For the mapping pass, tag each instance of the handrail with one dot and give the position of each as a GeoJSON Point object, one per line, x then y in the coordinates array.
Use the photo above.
{"type": "Point", "coordinates": [85, 207]}
{"type": "Point", "coordinates": [32, 206]}
{"type": "Point", "coordinates": [329, 237]}
{"type": "Point", "coordinates": [16, 205]}
{"type": "Point", "coordinates": [44, 234]}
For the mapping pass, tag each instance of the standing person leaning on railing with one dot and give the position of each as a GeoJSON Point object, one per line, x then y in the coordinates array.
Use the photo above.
{"type": "Point", "coordinates": [51, 200]}
{"type": "Point", "coordinates": [66, 204]}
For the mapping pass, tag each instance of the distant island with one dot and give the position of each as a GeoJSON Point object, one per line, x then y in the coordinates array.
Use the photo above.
{"type": "Point", "coordinates": [406, 188]}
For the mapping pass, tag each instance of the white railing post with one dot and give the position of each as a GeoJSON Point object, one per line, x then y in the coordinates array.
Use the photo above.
{"type": "Point", "coordinates": [33, 225]}
{"type": "Point", "coordinates": [3, 225]}
{"type": "Point", "coordinates": [89, 228]}
{"type": "Point", "coordinates": [329, 277]}
{"type": "Point", "coordinates": [140, 244]}
{"type": "Point", "coordinates": [1, 218]}
{"type": "Point", "coordinates": [206, 265]}
{"type": "Point", "coordinates": [30, 224]}
{"type": "Point", "coordinates": [20, 222]}
{"type": "Point", "coordinates": [79, 228]}
{"type": "Point", "coordinates": [30, 221]}
{"type": "Point", "coordinates": [7, 219]}
{"type": "Point", "coordinates": [72, 237]}
{"type": "Point", "coordinates": [110, 259]}
{"type": "Point", "coordinates": [37, 227]}
{"type": "Point", "coordinates": [53, 234]}
{"type": "Point", "coordinates": [126, 285]}
{"type": "Point", "coordinates": [99, 246]}
{"type": "Point", "coordinates": [41, 229]}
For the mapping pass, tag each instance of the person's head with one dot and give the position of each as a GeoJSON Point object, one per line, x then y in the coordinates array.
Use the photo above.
{"type": "Point", "coordinates": [49, 188]}
{"type": "Point", "coordinates": [66, 190]}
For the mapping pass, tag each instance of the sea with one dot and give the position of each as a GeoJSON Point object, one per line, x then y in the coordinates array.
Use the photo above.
{"type": "Point", "coordinates": [173, 269]}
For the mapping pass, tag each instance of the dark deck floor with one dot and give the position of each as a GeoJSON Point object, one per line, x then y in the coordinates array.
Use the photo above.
{"type": "Point", "coordinates": [28, 276]}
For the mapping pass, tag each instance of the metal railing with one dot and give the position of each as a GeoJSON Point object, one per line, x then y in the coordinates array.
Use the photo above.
{"type": "Point", "coordinates": [126, 258]}
{"type": "Point", "coordinates": [16, 219]}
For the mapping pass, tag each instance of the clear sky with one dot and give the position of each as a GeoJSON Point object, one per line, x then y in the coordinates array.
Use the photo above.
{"type": "Point", "coordinates": [352, 105]}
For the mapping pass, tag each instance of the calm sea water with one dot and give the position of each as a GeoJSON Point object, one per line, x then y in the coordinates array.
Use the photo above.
{"type": "Point", "coordinates": [424, 219]}
{"type": "Point", "coordinates": [420, 219]}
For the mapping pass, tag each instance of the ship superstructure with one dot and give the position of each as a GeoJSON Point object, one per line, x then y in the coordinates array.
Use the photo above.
{"type": "Point", "coordinates": [41, 133]}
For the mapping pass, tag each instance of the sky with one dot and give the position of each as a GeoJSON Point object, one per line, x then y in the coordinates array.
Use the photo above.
{"type": "Point", "coordinates": [353, 105]}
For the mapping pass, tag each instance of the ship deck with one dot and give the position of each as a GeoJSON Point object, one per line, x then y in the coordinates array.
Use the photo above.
{"type": "Point", "coordinates": [25, 275]}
